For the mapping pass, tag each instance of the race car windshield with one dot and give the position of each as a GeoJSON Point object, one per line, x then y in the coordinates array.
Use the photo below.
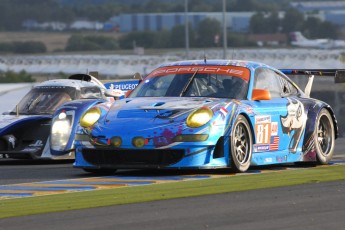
{"type": "Point", "coordinates": [193, 85]}
{"type": "Point", "coordinates": [44, 100]}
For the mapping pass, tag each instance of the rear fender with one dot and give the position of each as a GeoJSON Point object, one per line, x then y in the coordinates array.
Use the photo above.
{"type": "Point", "coordinates": [313, 112]}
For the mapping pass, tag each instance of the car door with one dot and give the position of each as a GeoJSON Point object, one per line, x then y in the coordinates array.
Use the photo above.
{"type": "Point", "coordinates": [267, 122]}
{"type": "Point", "coordinates": [294, 122]}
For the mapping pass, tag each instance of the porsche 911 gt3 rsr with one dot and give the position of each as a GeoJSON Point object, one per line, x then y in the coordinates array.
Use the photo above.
{"type": "Point", "coordinates": [208, 114]}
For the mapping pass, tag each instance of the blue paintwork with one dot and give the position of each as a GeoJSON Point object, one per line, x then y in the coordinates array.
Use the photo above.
{"type": "Point", "coordinates": [153, 118]}
{"type": "Point", "coordinates": [18, 121]}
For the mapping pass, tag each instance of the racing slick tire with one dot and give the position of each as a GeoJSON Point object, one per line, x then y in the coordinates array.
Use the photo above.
{"type": "Point", "coordinates": [241, 142]}
{"type": "Point", "coordinates": [324, 137]}
{"type": "Point", "coordinates": [101, 171]}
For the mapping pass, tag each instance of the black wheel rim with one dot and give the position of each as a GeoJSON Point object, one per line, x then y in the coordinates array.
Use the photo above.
{"type": "Point", "coordinates": [324, 135]}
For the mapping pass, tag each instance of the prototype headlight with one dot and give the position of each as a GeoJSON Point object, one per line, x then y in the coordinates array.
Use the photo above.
{"type": "Point", "coordinates": [90, 117]}
{"type": "Point", "coordinates": [60, 131]}
{"type": "Point", "coordinates": [199, 117]}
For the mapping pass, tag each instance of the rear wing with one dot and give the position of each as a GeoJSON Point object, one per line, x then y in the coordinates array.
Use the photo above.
{"type": "Point", "coordinates": [337, 74]}
{"type": "Point", "coordinates": [88, 78]}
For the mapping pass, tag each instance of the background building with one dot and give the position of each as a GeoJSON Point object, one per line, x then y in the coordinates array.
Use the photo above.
{"type": "Point", "coordinates": [331, 11]}
{"type": "Point", "coordinates": [236, 21]}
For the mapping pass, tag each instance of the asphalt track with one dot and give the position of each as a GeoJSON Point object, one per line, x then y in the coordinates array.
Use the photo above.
{"type": "Point", "coordinates": [311, 206]}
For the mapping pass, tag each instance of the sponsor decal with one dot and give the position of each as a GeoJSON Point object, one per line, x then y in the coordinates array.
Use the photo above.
{"type": "Point", "coordinates": [263, 129]}
{"type": "Point", "coordinates": [226, 70]}
{"type": "Point", "coordinates": [274, 128]}
{"type": "Point", "coordinates": [294, 122]}
{"type": "Point", "coordinates": [262, 119]}
{"type": "Point", "coordinates": [280, 159]}
{"type": "Point", "coordinates": [223, 111]}
{"type": "Point", "coordinates": [274, 143]}
{"type": "Point", "coordinates": [268, 160]}
{"type": "Point", "coordinates": [122, 85]}
{"type": "Point", "coordinates": [261, 148]}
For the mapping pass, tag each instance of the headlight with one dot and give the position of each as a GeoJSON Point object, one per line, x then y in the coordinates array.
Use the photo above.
{"type": "Point", "coordinates": [199, 117]}
{"type": "Point", "coordinates": [90, 117]}
{"type": "Point", "coordinates": [60, 131]}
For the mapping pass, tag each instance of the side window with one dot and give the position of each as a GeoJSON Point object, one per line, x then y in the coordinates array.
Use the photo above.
{"type": "Point", "coordinates": [158, 86]}
{"type": "Point", "coordinates": [288, 88]}
{"type": "Point", "coordinates": [269, 80]}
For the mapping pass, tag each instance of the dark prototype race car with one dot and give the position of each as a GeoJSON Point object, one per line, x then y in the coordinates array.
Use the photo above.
{"type": "Point", "coordinates": [25, 132]}
{"type": "Point", "coordinates": [209, 114]}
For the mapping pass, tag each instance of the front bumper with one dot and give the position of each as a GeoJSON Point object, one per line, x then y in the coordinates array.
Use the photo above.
{"type": "Point", "coordinates": [145, 158]}
{"type": "Point", "coordinates": [126, 158]}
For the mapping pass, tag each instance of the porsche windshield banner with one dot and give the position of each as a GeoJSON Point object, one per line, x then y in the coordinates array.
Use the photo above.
{"type": "Point", "coordinates": [236, 71]}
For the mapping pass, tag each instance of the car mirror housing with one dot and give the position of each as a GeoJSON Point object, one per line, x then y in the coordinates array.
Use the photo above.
{"type": "Point", "coordinates": [261, 94]}
{"type": "Point", "coordinates": [116, 93]}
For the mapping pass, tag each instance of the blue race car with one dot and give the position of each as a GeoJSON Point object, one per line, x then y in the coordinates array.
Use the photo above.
{"type": "Point", "coordinates": [25, 132]}
{"type": "Point", "coordinates": [208, 114]}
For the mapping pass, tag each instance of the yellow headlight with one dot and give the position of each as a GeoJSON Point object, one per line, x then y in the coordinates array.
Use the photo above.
{"type": "Point", "coordinates": [199, 117]}
{"type": "Point", "coordinates": [90, 117]}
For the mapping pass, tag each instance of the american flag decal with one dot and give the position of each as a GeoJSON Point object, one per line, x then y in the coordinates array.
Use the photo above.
{"type": "Point", "coordinates": [274, 143]}
{"type": "Point", "coordinates": [223, 111]}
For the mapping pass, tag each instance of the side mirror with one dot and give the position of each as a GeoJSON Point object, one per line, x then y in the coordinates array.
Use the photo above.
{"type": "Point", "coordinates": [261, 94]}
{"type": "Point", "coordinates": [115, 93]}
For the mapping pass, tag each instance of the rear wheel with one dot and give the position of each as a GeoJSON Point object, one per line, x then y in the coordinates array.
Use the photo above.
{"type": "Point", "coordinates": [241, 142]}
{"type": "Point", "coordinates": [324, 137]}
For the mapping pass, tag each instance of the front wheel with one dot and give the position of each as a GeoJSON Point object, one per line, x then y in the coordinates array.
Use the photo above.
{"type": "Point", "coordinates": [324, 137]}
{"type": "Point", "coordinates": [241, 142]}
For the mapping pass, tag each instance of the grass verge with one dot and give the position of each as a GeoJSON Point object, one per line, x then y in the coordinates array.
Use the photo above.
{"type": "Point", "coordinates": [127, 195]}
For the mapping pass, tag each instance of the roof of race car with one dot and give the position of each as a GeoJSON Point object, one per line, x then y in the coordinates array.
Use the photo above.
{"type": "Point", "coordinates": [220, 62]}
{"type": "Point", "coordinates": [66, 82]}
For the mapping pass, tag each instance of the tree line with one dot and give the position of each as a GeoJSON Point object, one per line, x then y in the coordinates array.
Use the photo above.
{"type": "Point", "coordinates": [15, 12]}
{"type": "Point", "coordinates": [266, 20]}
{"type": "Point", "coordinates": [203, 36]}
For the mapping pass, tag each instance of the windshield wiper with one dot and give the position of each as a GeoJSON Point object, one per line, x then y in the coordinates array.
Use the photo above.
{"type": "Point", "coordinates": [188, 83]}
